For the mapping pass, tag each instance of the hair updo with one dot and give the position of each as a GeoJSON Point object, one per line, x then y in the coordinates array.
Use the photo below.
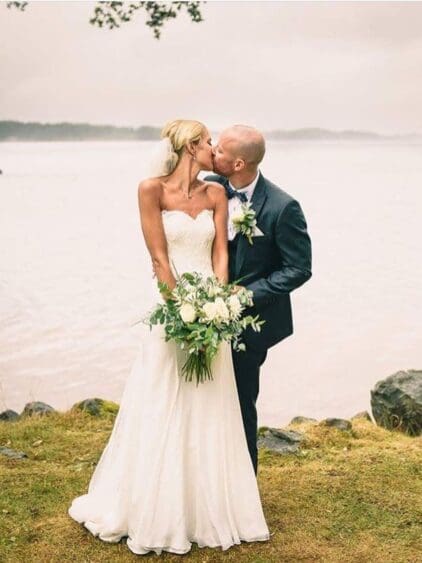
{"type": "Point", "coordinates": [180, 132]}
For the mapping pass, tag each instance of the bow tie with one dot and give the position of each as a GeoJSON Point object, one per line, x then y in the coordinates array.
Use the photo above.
{"type": "Point", "coordinates": [234, 193]}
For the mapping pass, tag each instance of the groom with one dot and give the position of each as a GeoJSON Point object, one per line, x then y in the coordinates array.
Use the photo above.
{"type": "Point", "coordinates": [277, 262]}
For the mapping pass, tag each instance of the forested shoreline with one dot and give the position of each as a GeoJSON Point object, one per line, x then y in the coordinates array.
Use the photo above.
{"type": "Point", "coordinates": [34, 131]}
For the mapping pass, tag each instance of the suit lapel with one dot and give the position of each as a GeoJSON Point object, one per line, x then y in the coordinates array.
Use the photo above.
{"type": "Point", "coordinates": [259, 195]}
{"type": "Point", "coordinates": [258, 198]}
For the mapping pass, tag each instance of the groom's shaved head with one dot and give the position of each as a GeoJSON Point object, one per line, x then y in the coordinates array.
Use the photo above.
{"type": "Point", "coordinates": [246, 143]}
{"type": "Point", "coordinates": [237, 154]}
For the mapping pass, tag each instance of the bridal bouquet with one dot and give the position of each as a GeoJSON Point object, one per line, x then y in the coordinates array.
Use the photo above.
{"type": "Point", "coordinates": [199, 314]}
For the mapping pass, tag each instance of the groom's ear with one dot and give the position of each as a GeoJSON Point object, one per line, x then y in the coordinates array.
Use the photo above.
{"type": "Point", "coordinates": [239, 164]}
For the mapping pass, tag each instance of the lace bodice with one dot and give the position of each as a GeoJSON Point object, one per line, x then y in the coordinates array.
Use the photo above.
{"type": "Point", "coordinates": [189, 241]}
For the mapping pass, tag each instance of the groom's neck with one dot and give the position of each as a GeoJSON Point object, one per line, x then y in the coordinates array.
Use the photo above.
{"type": "Point", "coordinates": [242, 179]}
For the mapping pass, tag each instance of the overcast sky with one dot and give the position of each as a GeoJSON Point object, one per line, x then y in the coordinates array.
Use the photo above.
{"type": "Point", "coordinates": [337, 65]}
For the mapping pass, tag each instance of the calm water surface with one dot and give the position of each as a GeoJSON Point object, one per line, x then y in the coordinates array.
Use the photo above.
{"type": "Point", "coordinates": [74, 273]}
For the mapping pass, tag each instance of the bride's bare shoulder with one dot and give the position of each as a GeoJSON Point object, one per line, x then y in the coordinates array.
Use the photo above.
{"type": "Point", "coordinates": [215, 190]}
{"type": "Point", "coordinates": [150, 187]}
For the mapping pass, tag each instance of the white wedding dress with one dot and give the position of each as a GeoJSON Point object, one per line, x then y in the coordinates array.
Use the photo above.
{"type": "Point", "coordinates": [176, 468]}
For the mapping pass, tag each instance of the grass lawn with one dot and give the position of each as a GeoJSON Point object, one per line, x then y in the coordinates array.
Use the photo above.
{"type": "Point", "coordinates": [346, 497]}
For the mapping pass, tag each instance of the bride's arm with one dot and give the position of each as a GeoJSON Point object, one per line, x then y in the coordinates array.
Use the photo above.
{"type": "Point", "coordinates": [153, 231]}
{"type": "Point", "coordinates": [220, 253]}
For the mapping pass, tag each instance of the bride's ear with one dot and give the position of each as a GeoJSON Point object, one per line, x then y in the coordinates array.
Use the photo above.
{"type": "Point", "coordinates": [191, 149]}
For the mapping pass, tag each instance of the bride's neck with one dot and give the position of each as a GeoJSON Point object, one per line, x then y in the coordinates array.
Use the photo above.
{"type": "Point", "coordinates": [185, 174]}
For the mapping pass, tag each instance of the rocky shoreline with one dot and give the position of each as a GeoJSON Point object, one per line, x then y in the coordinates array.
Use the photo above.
{"type": "Point", "coordinates": [332, 490]}
{"type": "Point", "coordinates": [396, 405]}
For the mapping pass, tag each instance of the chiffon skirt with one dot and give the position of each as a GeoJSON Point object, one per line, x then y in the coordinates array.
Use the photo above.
{"type": "Point", "coordinates": [176, 468]}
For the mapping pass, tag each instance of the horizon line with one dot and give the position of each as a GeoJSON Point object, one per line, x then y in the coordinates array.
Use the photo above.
{"type": "Point", "coordinates": [273, 130]}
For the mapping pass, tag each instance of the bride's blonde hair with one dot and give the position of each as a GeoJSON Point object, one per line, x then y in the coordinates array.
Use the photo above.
{"type": "Point", "coordinates": [180, 132]}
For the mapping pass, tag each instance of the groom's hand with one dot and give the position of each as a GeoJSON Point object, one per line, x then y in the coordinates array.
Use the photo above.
{"type": "Point", "coordinates": [237, 288]}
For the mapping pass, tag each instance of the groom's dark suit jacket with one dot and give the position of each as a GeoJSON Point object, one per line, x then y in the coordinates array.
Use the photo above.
{"type": "Point", "coordinates": [275, 264]}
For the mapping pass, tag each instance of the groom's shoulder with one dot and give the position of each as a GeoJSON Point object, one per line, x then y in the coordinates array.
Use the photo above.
{"type": "Point", "coordinates": [214, 178]}
{"type": "Point", "coordinates": [278, 195]}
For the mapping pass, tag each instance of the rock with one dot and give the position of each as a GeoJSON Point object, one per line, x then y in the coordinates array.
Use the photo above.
{"type": "Point", "coordinates": [13, 454]}
{"type": "Point", "coordinates": [302, 420]}
{"type": "Point", "coordinates": [362, 415]}
{"type": "Point", "coordinates": [37, 408]}
{"type": "Point", "coordinates": [96, 407]}
{"type": "Point", "coordinates": [397, 402]}
{"type": "Point", "coordinates": [9, 415]}
{"type": "Point", "coordinates": [280, 440]}
{"type": "Point", "coordinates": [339, 423]}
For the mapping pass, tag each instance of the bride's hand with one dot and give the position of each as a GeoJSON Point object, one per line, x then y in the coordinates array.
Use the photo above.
{"type": "Point", "coordinates": [167, 295]}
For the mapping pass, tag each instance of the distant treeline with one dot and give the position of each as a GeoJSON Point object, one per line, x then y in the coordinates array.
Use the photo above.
{"type": "Point", "coordinates": [20, 131]}
{"type": "Point", "coordinates": [320, 134]}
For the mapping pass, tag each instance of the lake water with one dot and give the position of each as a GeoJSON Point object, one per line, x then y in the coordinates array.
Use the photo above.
{"type": "Point", "coordinates": [74, 271]}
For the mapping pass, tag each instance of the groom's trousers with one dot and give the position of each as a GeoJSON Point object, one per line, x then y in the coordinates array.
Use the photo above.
{"type": "Point", "coordinates": [246, 368]}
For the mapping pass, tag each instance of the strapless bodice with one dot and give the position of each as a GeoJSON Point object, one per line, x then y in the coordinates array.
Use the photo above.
{"type": "Point", "coordinates": [189, 241]}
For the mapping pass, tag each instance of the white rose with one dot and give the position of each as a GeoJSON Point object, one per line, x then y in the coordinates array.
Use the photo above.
{"type": "Point", "coordinates": [210, 310]}
{"type": "Point", "coordinates": [221, 307]}
{"type": "Point", "coordinates": [234, 305]}
{"type": "Point", "coordinates": [187, 312]}
{"type": "Point", "coordinates": [238, 216]}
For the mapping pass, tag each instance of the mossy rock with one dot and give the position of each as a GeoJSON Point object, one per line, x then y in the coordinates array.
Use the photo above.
{"type": "Point", "coordinates": [397, 402]}
{"type": "Point", "coordinates": [280, 440]}
{"type": "Point", "coordinates": [97, 407]}
{"type": "Point", "coordinates": [364, 415]}
{"type": "Point", "coordinates": [37, 408]}
{"type": "Point", "coordinates": [302, 420]}
{"type": "Point", "coordinates": [339, 423]}
{"type": "Point", "coordinates": [9, 415]}
{"type": "Point", "coordinates": [12, 454]}
{"type": "Point", "coordinates": [261, 431]}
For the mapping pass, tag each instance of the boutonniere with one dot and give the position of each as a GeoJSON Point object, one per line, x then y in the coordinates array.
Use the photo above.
{"type": "Point", "coordinates": [244, 221]}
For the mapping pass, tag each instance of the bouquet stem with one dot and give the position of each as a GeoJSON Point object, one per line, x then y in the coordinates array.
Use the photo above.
{"type": "Point", "coordinates": [197, 365]}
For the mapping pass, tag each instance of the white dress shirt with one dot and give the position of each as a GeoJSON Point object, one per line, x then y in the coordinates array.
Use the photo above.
{"type": "Point", "coordinates": [235, 203]}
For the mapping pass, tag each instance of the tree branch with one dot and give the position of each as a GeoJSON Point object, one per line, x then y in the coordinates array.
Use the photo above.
{"type": "Point", "coordinates": [114, 14]}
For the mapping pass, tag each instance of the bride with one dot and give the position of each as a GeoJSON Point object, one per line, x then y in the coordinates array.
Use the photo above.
{"type": "Point", "coordinates": [176, 468]}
